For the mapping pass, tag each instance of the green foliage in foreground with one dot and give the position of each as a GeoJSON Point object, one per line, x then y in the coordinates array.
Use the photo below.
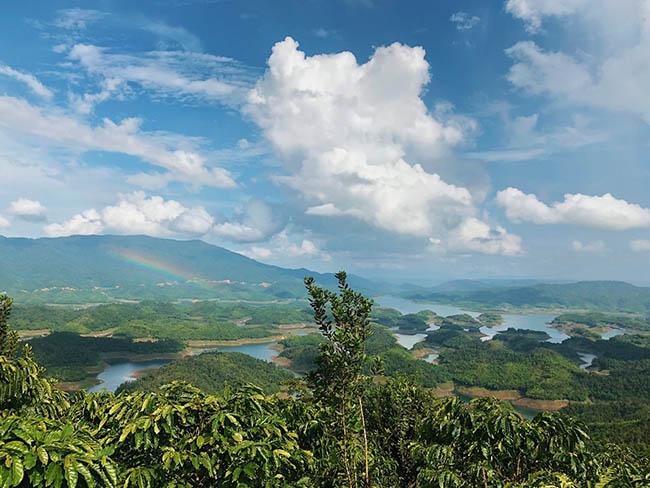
{"type": "Point", "coordinates": [211, 371]}
{"type": "Point", "coordinates": [344, 430]}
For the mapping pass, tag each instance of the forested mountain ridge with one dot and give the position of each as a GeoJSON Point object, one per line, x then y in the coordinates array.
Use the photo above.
{"type": "Point", "coordinates": [104, 268]}
{"type": "Point", "coordinates": [614, 296]}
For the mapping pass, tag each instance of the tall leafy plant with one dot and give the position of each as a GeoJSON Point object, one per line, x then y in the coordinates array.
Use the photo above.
{"type": "Point", "coordinates": [344, 320]}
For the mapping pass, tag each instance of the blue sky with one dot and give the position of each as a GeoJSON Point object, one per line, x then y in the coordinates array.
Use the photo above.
{"type": "Point", "coordinates": [415, 141]}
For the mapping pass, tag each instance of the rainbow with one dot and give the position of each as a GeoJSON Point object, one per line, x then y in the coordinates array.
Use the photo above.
{"type": "Point", "coordinates": [159, 266]}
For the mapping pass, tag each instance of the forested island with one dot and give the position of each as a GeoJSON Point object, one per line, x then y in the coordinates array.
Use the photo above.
{"type": "Point", "coordinates": [362, 413]}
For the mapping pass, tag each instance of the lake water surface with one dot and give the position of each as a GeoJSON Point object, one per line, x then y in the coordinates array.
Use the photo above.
{"type": "Point", "coordinates": [539, 322]}
{"type": "Point", "coordinates": [587, 359]}
{"type": "Point", "coordinates": [119, 372]}
{"type": "Point", "coordinates": [612, 333]}
{"type": "Point", "coordinates": [408, 340]}
{"type": "Point", "coordinates": [408, 306]}
{"type": "Point", "coordinates": [259, 351]}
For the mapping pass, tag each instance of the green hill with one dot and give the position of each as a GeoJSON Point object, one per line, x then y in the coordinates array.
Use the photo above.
{"type": "Point", "coordinates": [84, 269]}
{"type": "Point", "coordinates": [613, 296]}
{"type": "Point", "coordinates": [210, 371]}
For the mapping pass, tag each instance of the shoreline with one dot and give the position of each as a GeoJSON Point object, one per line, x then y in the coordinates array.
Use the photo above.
{"type": "Point", "coordinates": [192, 348]}
{"type": "Point", "coordinates": [512, 396]}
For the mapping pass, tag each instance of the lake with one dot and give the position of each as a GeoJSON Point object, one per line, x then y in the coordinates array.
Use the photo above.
{"type": "Point", "coordinates": [612, 333]}
{"type": "Point", "coordinates": [119, 372]}
{"type": "Point", "coordinates": [408, 306]}
{"type": "Point", "coordinates": [408, 340]}
{"type": "Point", "coordinates": [587, 359]}
{"type": "Point", "coordinates": [539, 322]}
{"type": "Point", "coordinates": [259, 351]}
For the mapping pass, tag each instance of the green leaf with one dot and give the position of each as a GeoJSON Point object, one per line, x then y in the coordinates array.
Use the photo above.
{"type": "Point", "coordinates": [17, 446]}
{"type": "Point", "coordinates": [30, 460]}
{"type": "Point", "coordinates": [281, 452]}
{"type": "Point", "coordinates": [53, 475]}
{"type": "Point", "coordinates": [71, 475]}
{"type": "Point", "coordinates": [42, 455]}
{"type": "Point", "coordinates": [111, 472]}
{"type": "Point", "coordinates": [17, 471]}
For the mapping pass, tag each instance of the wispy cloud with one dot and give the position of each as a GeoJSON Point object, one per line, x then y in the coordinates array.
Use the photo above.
{"type": "Point", "coordinates": [640, 245]}
{"type": "Point", "coordinates": [464, 21]}
{"type": "Point", "coordinates": [594, 247]}
{"type": "Point", "coordinates": [526, 139]}
{"type": "Point", "coordinates": [325, 33]}
{"type": "Point", "coordinates": [179, 35]}
{"type": "Point", "coordinates": [77, 18]}
{"type": "Point", "coordinates": [177, 74]}
{"type": "Point", "coordinates": [30, 80]}
{"type": "Point", "coordinates": [183, 164]}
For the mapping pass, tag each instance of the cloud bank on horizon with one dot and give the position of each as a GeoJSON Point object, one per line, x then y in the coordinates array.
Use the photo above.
{"type": "Point", "coordinates": [430, 155]}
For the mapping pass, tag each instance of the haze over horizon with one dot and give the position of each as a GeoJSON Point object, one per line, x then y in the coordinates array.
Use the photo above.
{"type": "Point", "coordinates": [409, 141]}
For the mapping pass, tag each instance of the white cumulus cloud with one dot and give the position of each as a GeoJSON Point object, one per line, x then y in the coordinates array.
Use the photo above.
{"type": "Point", "coordinates": [136, 214]}
{"type": "Point", "coordinates": [283, 246]}
{"type": "Point", "coordinates": [254, 222]}
{"type": "Point", "coordinates": [533, 11]}
{"type": "Point", "coordinates": [474, 235]}
{"type": "Point", "coordinates": [351, 136]}
{"type": "Point", "coordinates": [86, 223]}
{"type": "Point", "coordinates": [605, 212]}
{"type": "Point", "coordinates": [4, 223]}
{"type": "Point", "coordinates": [26, 209]}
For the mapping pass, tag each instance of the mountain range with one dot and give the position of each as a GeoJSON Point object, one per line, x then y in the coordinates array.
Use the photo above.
{"type": "Point", "coordinates": [107, 268]}
{"type": "Point", "coordinates": [611, 296]}
{"type": "Point", "coordinates": [104, 268]}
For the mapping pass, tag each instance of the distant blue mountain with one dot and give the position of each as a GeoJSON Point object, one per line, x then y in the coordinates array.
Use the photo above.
{"type": "Point", "coordinates": [615, 296]}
